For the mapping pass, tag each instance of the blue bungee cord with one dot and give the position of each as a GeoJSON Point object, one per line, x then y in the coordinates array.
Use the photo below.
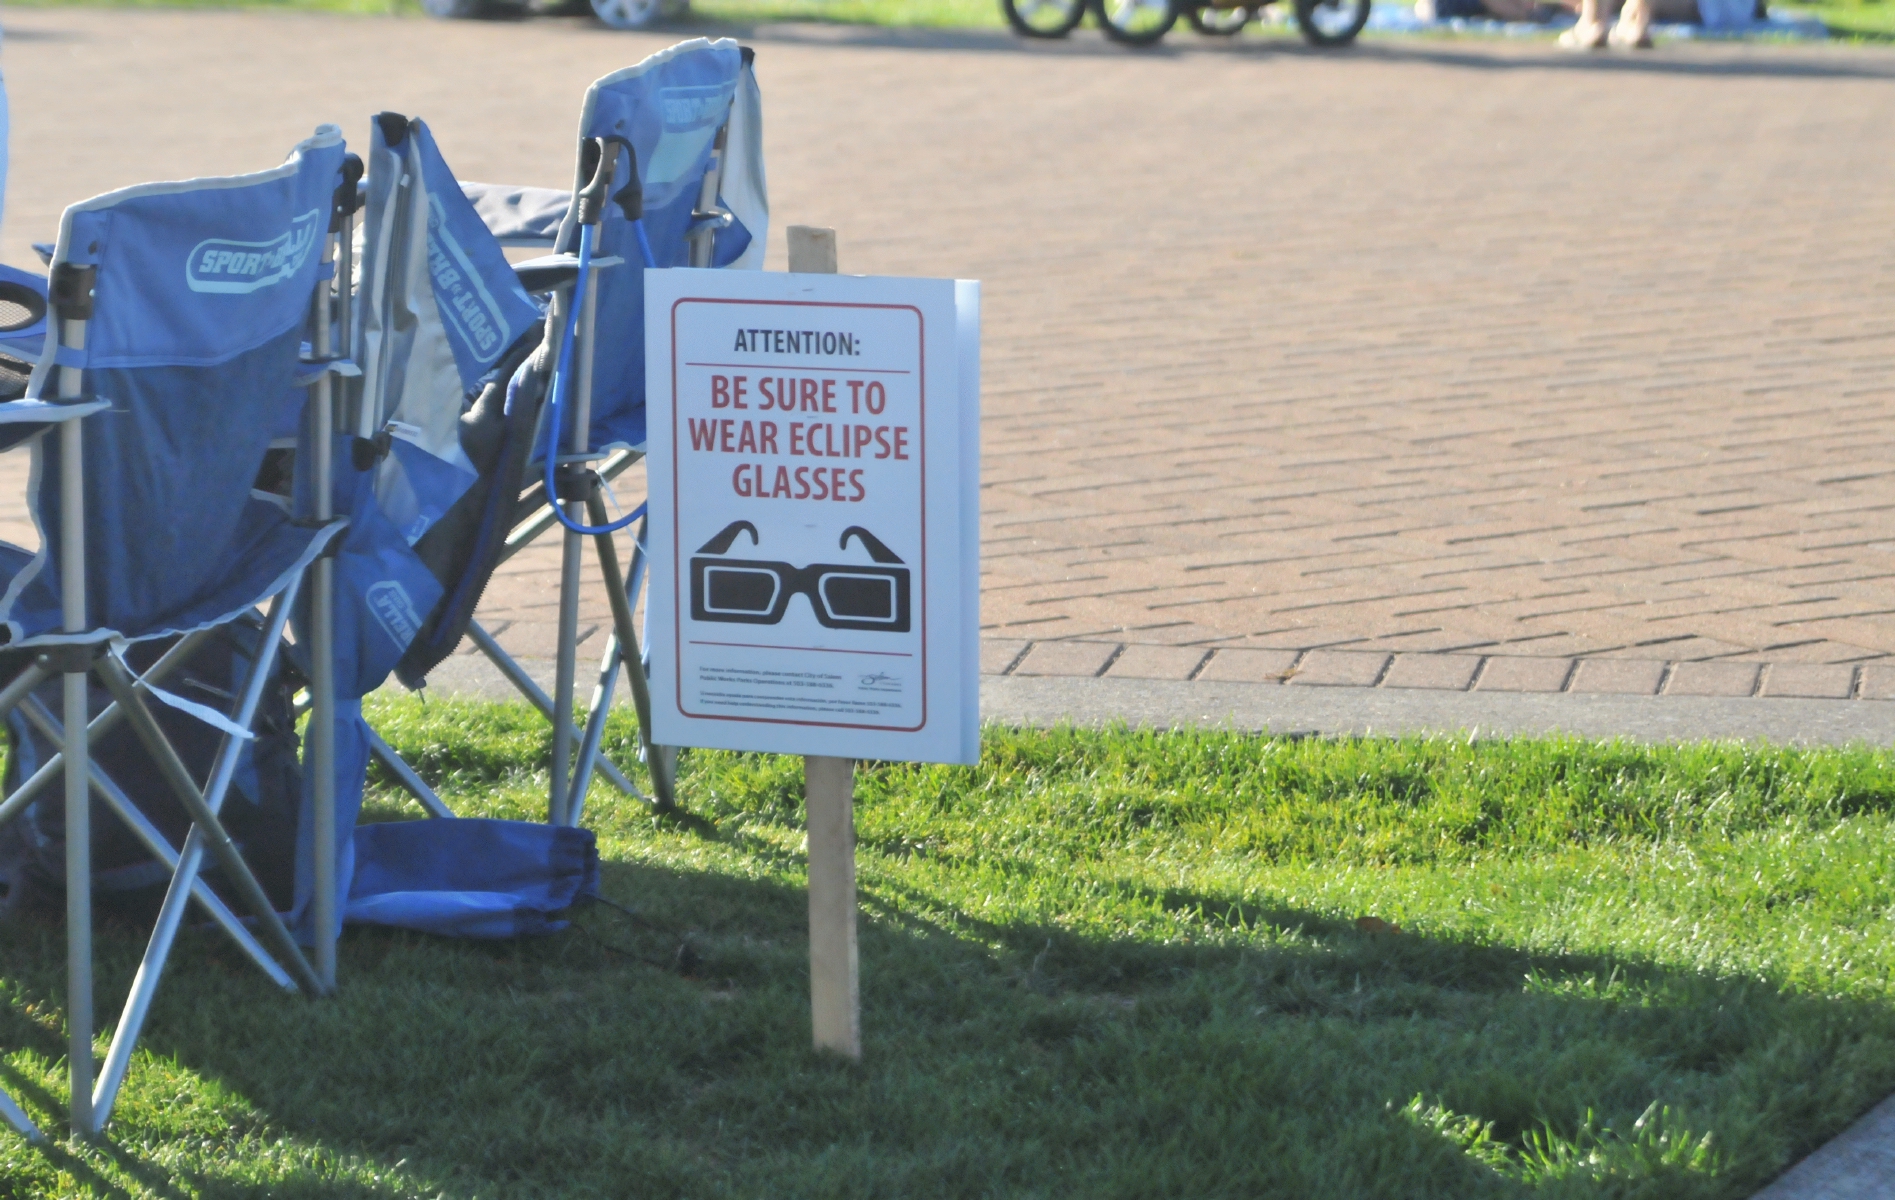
{"type": "Point", "coordinates": [644, 243]}
{"type": "Point", "coordinates": [562, 374]}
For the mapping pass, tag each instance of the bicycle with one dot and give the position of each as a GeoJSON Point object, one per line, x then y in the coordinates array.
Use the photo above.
{"type": "Point", "coordinates": [1324, 23]}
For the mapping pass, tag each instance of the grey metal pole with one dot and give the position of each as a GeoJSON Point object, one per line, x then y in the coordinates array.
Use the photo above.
{"type": "Point", "coordinates": [590, 757]}
{"type": "Point", "coordinates": [704, 244]}
{"type": "Point", "coordinates": [105, 722]}
{"type": "Point", "coordinates": [596, 713]}
{"type": "Point", "coordinates": [561, 800]}
{"type": "Point", "coordinates": [22, 686]}
{"type": "Point", "coordinates": [230, 750]}
{"type": "Point", "coordinates": [638, 659]}
{"type": "Point", "coordinates": [184, 877]}
{"type": "Point", "coordinates": [30, 677]}
{"type": "Point", "coordinates": [658, 764]}
{"type": "Point", "coordinates": [72, 586]}
{"type": "Point", "coordinates": [155, 844]}
{"type": "Point", "coordinates": [557, 310]}
{"type": "Point", "coordinates": [537, 697]}
{"type": "Point", "coordinates": [526, 532]}
{"type": "Point", "coordinates": [565, 672]}
{"type": "Point", "coordinates": [413, 783]}
{"type": "Point", "coordinates": [217, 840]}
{"type": "Point", "coordinates": [16, 1116]}
{"type": "Point", "coordinates": [321, 746]}
{"type": "Point", "coordinates": [581, 432]}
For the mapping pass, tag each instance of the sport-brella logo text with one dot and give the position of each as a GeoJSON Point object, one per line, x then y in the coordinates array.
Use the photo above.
{"type": "Point", "coordinates": [466, 306]}
{"type": "Point", "coordinates": [233, 267]}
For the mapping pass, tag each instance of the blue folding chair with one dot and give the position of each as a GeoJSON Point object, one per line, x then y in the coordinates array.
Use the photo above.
{"type": "Point", "coordinates": [428, 479]}
{"type": "Point", "coordinates": [179, 315]}
{"type": "Point", "coordinates": [669, 174]}
{"type": "Point", "coordinates": [442, 325]}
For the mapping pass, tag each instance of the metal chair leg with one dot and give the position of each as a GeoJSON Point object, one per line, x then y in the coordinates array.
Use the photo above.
{"type": "Point", "coordinates": [185, 864]}
{"type": "Point", "coordinates": [537, 697]}
{"type": "Point", "coordinates": [411, 782]}
{"type": "Point", "coordinates": [14, 1115]}
{"type": "Point", "coordinates": [155, 844]}
{"type": "Point", "coordinates": [565, 676]}
{"type": "Point", "coordinates": [662, 780]}
{"type": "Point", "coordinates": [17, 800]}
{"type": "Point", "coordinates": [596, 712]}
{"type": "Point", "coordinates": [79, 1066]}
{"type": "Point", "coordinates": [118, 681]}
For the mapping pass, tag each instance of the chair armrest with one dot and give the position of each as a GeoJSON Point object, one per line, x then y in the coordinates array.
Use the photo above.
{"type": "Point", "coordinates": [519, 216]}
{"type": "Point", "coordinates": [551, 272]}
{"type": "Point", "coordinates": [35, 411]}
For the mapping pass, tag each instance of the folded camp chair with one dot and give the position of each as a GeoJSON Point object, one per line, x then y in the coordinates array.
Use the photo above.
{"type": "Point", "coordinates": [179, 312]}
{"type": "Point", "coordinates": [669, 174]}
{"type": "Point", "coordinates": [438, 317]}
{"type": "Point", "coordinates": [443, 326]}
{"type": "Point", "coordinates": [432, 471]}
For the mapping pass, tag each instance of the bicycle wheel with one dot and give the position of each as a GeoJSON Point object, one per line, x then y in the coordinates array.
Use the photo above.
{"type": "Point", "coordinates": [1043, 18]}
{"type": "Point", "coordinates": [1331, 22]}
{"type": "Point", "coordinates": [1135, 22]}
{"type": "Point", "coordinates": [1218, 22]}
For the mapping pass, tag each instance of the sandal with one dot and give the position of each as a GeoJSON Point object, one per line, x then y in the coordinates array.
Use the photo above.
{"type": "Point", "coordinates": [1626, 41]}
{"type": "Point", "coordinates": [1582, 38]}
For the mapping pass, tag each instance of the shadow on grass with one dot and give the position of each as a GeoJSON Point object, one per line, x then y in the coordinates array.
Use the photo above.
{"type": "Point", "coordinates": [63, 1158]}
{"type": "Point", "coordinates": [1278, 1056]}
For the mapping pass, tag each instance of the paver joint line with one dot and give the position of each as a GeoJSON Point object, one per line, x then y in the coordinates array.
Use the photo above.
{"type": "Point", "coordinates": [1378, 671]}
{"type": "Point", "coordinates": [1471, 458]}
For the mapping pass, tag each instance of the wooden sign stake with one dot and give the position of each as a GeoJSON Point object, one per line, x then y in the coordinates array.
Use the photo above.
{"type": "Point", "coordinates": [835, 1007]}
{"type": "Point", "coordinates": [829, 795]}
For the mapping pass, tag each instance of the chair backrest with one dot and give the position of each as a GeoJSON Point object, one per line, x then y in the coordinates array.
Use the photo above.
{"type": "Point", "coordinates": [440, 310]}
{"type": "Point", "coordinates": [438, 307]}
{"type": "Point", "coordinates": [195, 297]}
{"type": "Point", "coordinates": [670, 107]}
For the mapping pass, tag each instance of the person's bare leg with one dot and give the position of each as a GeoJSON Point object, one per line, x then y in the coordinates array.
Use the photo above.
{"type": "Point", "coordinates": [1633, 30]}
{"type": "Point", "coordinates": [1590, 33]}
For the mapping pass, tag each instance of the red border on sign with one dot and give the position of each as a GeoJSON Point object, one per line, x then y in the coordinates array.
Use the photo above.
{"type": "Point", "coordinates": [678, 605]}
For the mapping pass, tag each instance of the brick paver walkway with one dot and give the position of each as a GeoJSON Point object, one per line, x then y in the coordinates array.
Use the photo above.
{"type": "Point", "coordinates": [1429, 364]}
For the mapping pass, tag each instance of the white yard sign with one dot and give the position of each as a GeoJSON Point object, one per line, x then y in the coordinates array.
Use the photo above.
{"type": "Point", "coordinates": [814, 513]}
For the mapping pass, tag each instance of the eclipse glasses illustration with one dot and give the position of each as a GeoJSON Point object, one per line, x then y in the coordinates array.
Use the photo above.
{"type": "Point", "coordinates": [747, 591]}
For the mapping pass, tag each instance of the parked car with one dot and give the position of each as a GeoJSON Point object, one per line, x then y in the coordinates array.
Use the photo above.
{"type": "Point", "coordinates": [619, 14]}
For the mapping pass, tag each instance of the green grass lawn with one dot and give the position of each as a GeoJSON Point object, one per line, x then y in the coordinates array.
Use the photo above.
{"type": "Point", "coordinates": [1855, 20]}
{"type": "Point", "coordinates": [1099, 964]}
